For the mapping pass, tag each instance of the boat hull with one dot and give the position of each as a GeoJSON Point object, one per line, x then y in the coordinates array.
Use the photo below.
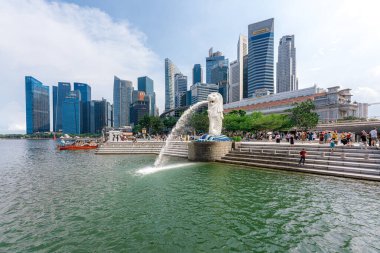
{"type": "Point", "coordinates": [76, 147]}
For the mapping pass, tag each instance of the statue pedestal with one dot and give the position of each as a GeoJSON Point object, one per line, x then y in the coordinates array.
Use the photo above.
{"type": "Point", "coordinates": [208, 151]}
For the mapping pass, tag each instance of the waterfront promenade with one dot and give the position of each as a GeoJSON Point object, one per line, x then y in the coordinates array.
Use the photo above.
{"type": "Point", "coordinates": [353, 161]}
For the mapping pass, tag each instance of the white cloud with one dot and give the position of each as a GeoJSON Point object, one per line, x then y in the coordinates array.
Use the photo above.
{"type": "Point", "coordinates": [64, 42]}
{"type": "Point", "coordinates": [375, 71]}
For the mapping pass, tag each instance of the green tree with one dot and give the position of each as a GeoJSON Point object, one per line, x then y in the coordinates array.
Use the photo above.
{"type": "Point", "coordinates": [154, 125]}
{"type": "Point", "coordinates": [303, 117]}
{"type": "Point", "coordinates": [169, 122]}
{"type": "Point", "coordinates": [199, 121]}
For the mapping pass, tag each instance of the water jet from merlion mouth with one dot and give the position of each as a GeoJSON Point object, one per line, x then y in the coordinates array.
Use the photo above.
{"type": "Point", "coordinates": [181, 123]}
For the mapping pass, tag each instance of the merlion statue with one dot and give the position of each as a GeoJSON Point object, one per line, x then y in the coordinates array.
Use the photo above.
{"type": "Point", "coordinates": [215, 113]}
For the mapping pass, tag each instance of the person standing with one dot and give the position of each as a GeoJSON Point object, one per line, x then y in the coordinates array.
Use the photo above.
{"type": "Point", "coordinates": [278, 138]}
{"type": "Point", "coordinates": [291, 139]}
{"type": "Point", "coordinates": [334, 136]}
{"type": "Point", "coordinates": [363, 137]}
{"type": "Point", "coordinates": [332, 146]}
{"type": "Point", "coordinates": [373, 134]}
{"type": "Point", "coordinates": [302, 157]}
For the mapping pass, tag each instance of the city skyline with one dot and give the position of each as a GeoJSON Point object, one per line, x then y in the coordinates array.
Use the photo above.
{"type": "Point", "coordinates": [327, 54]}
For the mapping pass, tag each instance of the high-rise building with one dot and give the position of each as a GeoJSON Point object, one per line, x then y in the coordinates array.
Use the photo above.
{"type": "Point", "coordinates": [122, 99]}
{"type": "Point", "coordinates": [59, 94]}
{"type": "Point", "coordinates": [245, 76]}
{"type": "Point", "coordinates": [85, 91]}
{"type": "Point", "coordinates": [170, 71]}
{"type": "Point", "coordinates": [200, 91]}
{"type": "Point", "coordinates": [237, 86]}
{"type": "Point", "coordinates": [180, 87]}
{"type": "Point", "coordinates": [197, 74]}
{"type": "Point", "coordinates": [234, 81]}
{"type": "Point", "coordinates": [102, 115]}
{"type": "Point", "coordinates": [87, 107]}
{"type": "Point", "coordinates": [219, 76]}
{"type": "Point", "coordinates": [286, 65]}
{"type": "Point", "coordinates": [72, 113]}
{"type": "Point", "coordinates": [213, 59]}
{"type": "Point", "coordinates": [146, 84]}
{"type": "Point", "coordinates": [260, 57]}
{"type": "Point", "coordinates": [37, 106]}
{"type": "Point", "coordinates": [237, 71]}
{"type": "Point", "coordinates": [140, 106]}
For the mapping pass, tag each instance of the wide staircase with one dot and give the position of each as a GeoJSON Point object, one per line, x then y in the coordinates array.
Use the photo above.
{"type": "Point", "coordinates": [350, 162]}
{"type": "Point", "coordinates": [175, 148]}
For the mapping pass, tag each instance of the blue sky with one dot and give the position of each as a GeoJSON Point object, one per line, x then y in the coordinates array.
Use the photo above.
{"type": "Point", "coordinates": [90, 41]}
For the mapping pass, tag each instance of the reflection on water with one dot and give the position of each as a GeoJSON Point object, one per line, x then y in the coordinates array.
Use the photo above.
{"type": "Point", "coordinates": [54, 201]}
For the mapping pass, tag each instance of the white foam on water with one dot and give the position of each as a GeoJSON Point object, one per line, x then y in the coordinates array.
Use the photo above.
{"type": "Point", "coordinates": [151, 170]}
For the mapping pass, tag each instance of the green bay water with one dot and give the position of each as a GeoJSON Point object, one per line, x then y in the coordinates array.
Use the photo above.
{"type": "Point", "coordinates": [76, 201]}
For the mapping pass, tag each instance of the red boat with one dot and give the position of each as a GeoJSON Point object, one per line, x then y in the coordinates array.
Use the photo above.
{"type": "Point", "coordinates": [76, 145]}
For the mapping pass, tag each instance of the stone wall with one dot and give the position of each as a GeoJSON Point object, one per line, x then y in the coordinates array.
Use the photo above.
{"type": "Point", "coordinates": [208, 151]}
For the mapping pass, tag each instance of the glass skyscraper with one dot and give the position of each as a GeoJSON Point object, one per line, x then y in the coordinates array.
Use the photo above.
{"type": "Point", "coordinates": [101, 115]}
{"type": "Point", "coordinates": [219, 76]}
{"type": "Point", "coordinates": [180, 87]}
{"type": "Point", "coordinates": [122, 99]}
{"type": "Point", "coordinates": [170, 71]}
{"type": "Point", "coordinates": [200, 91]}
{"type": "Point", "coordinates": [87, 107]}
{"type": "Point", "coordinates": [286, 65]}
{"type": "Point", "coordinates": [260, 57]}
{"type": "Point", "coordinates": [59, 94]}
{"type": "Point", "coordinates": [197, 74]}
{"type": "Point", "coordinates": [213, 60]}
{"type": "Point", "coordinates": [71, 113]}
{"type": "Point", "coordinates": [37, 106]}
{"type": "Point", "coordinates": [146, 84]}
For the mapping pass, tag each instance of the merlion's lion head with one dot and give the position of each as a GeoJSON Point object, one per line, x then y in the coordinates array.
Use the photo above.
{"type": "Point", "coordinates": [215, 104]}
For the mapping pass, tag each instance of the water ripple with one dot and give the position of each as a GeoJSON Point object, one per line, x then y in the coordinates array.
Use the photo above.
{"type": "Point", "coordinates": [54, 201]}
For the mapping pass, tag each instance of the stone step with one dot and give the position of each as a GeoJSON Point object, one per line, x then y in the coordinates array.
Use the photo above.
{"type": "Point", "coordinates": [308, 164]}
{"type": "Point", "coordinates": [317, 161]}
{"type": "Point", "coordinates": [327, 156]}
{"type": "Point", "coordinates": [337, 151]}
{"type": "Point", "coordinates": [305, 170]}
{"type": "Point", "coordinates": [311, 148]}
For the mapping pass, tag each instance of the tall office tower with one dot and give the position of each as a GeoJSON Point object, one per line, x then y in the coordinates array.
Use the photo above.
{"type": "Point", "coordinates": [180, 87]}
{"type": "Point", "coordinates": [242, 51]}
{"type": "Point", "coordinates": [72, 113]}
{"type": "Point", "coordinates": [213, 60]}
{"type": "Point", "coordinates": [122, 99]}
{"type": "Point", "coordinates": [37, 106]}
{"type": "Point", "coordinates": [234, 82]}
{"type": "Point", "coordinates": [140, 106]}
{"type": "Point", "coordinates": [245, 76]}
{"type": "Point", "coordinates": [219, 76]}
{"type": "Point", "coordinates": [236, 70]}
{"type": "Point", "coordinates": [101, 115]}
{"type": "Point", "coordinates": [286, 65]}
{"type": "Point", "coordinates": [170, 71]}
{"type": "Point", "coordinates": [87, 107]}
{"type": "Point", "coordinates": [260, 57]}
{"type": "Point", "coordinates": [109, 115]}
{"type": "Point", "coordinates": [197, 74]}
{"type": "Point", "coordinates": [200, 91]}
{"type": "Point", "coordinates": [59, 94]}
{"type": "Point", "coordinates": [146, 84]}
